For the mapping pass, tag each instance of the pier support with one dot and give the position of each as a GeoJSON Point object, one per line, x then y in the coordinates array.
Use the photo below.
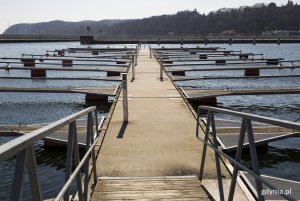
{"type": "Point", "coordinates": [92, 98]}
{"type": "Point", "coordinates": [61, 53]}
{"type": "Point", "coordinates": [179, 73]}
{"type": "Point", "coordinates": [203, 56]}
{"type": "Point", "coordinates": [210, 101]}
{"type": "Point", "coordinates": [167, 61]}
{"type": "Point", "coordinates": [220, 62]}
{"type": "Point", "coordinates": [67, 62]}
{"type": "Point", "coordinates": [112, 73]}
{"type": "Point", "coordinates": [226, 53]}
{"type": "Point", "coordinates": [251, 72]}
{"type": "Point", "coordinates": [28, 62]}
{"type": "Point", "coordinates": [95, 52]}
{"type": "Point", "coordinates": [38, 73]}
{"type": "Point", "coordinates": [272, 61]}
{"type": "Point", "coordinates": [244, 56]}
{"type": "Point", "coordinates": [121, 62]}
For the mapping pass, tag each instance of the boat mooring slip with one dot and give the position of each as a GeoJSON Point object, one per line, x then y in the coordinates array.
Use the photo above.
{"type": "Point", "coordinates": [161, 138]}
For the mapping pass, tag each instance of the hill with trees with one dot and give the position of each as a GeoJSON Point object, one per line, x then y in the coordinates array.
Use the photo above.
{"type": "Point", "coordinates": [256, 19]}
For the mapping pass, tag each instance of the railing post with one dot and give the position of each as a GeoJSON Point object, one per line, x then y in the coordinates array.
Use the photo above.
{"type": "Point", "coordinates": [204, 144]}
{"type": "Point", "coordinates": [96, 123]}
{"type": "Point", "coordinates": [136, 56]}
{"type": "Point", "coordinates": [33, 175]}
{"type": "Point", "coordinates": [125, 98]}
{"type": "Point", "coordinates": [17, 186]}
{"type": "Point", "coordinates": [217, 158]}
{"type": "Point", "coordinates": [93, 151]}
{"type": "Point", "coordinates": [237, 158]}
{"type": "Point", "coordinates": [254, 159]}
{"type": "Point", "coordinates": [69, 157]}
{"type": "Point", "coordinates": [87, 146]}
{"type": "Point", "coordinates": [161, 70]}
{"type": "Point", "coordinates": [150, 52]}
{"type": "Point", "coordinates": [76, 162]}
{"type": "Point", "coordinates": [133, 67]}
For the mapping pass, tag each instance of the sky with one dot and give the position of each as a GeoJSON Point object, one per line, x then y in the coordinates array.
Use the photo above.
{"type": "Point", "coordinates": [32, 11]}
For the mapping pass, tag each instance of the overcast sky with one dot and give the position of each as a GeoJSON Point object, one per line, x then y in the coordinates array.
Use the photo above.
{"type": "Point", "coordinates": [31, 11]}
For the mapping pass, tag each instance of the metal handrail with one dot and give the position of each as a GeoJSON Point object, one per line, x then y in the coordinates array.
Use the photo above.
{"type": "Point", "coordinates": [12, 147]}
{"type": "Point", "coordinates": [22, 147]}
{"type": "Point", "coordinates": [246, 126]}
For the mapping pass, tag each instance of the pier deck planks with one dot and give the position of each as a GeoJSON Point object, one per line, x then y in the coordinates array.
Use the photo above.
{"type": "Point", "coordinates": [144, 189]}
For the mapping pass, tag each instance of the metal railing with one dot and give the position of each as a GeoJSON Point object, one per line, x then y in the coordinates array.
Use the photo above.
{"type": "Point", "coordinates": [22, 148]}
{"type": "Point", "coordinates": [246, 126]}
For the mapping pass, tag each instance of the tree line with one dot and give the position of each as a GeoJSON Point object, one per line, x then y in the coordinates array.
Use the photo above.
{"type": "Point", "coordinates": [245, 20]}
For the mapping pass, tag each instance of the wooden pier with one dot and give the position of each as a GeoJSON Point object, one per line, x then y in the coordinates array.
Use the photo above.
{"type": "Point", "coordinates": [154, 154]}
{"type": "Point", "coordinates": [158, 141]}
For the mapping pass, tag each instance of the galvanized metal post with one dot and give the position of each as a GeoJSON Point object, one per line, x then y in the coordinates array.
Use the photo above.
{"type": "Point", "coordinates": [125, 98]}
{"type": "Point", "coordinates": [69, 157]}
{"type": "Point", "coordinates": [96, 123]}
{"type": "Point", "coordinates": [254, 159]}
{"type": "Point", "coordinates": [161, 69]}
{"type": "Point", "coordinates": [76, 162]}
{"type": "Point", "coordinates": [33, 175]}
{"type": "Point", "coordinates": [90, 115]}
{"type": "Point", "coordinates": [17, 187]}
{"type": "Point", "coordinates": [133, 68]}
{"type": "Point", "coordinates": [136, 56]}
{"type": "Point", "coordinates": [86, 168]}
{"type": "Point", "coordinates": [217, 157]}
{"type": "Point", "coordinates": [204, 145]}
{"type": "Point", "coordinates": [237, 158]}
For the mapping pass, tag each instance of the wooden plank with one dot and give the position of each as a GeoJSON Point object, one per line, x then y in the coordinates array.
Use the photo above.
{"type": "Point", "coordinates": [229, 68]}
{"type": "Point", "coordinates": [96, 69]}
{"type": "Point", "coordinates": [111, 79]}
{"type": "Point", "coordinates": [196, 93]}
{"type": "Point", "coordinates": [187, 78]}
{"type": "Point", "coordinates": [143, 189]}
{"type": "Point", "coordinates": [105, 91]}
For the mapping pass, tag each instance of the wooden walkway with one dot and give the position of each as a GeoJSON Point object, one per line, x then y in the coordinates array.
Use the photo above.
{"type": "Point", "coordinates": [158, 141]}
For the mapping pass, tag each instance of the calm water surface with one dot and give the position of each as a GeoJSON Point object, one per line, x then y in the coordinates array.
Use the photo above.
{"type": "Point", "coordinates": [282, 158]}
